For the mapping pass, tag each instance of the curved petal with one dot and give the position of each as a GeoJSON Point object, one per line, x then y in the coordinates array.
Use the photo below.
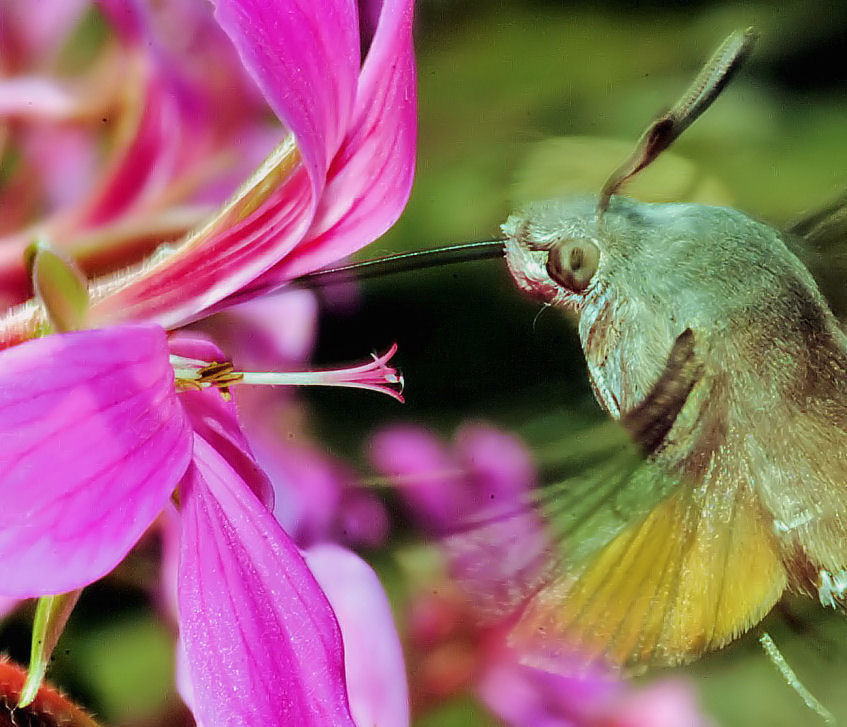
{"type": "Point", "coordinates": [262, 642]}
{"type": "Point", "coordinates": [212, 262]}
{"type": "Point", "coordinates": [304, 55]}
{"type": "Point", "coordinates": [143, 165]}
{"type": "Point", "coordinates": [370, 179]}
{"type": "Point", "coordinates": [92, 442]}
{"type": "Point", "coordinates": [373, 658]}
{"type": "Point", "coordinates": [216, 421]}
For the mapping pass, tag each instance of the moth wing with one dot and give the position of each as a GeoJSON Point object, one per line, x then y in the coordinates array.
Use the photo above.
{"type": "Point", "coordinates": [819, 239]}
{"type": "Point", "coordinates": [698, 569]}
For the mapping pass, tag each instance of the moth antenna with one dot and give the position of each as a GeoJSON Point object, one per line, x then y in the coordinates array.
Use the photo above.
{"type": "Point", "coordinates": [705, 88]}
{"type": "Point", "coordinates": [782, 666]}
{"type": "Point", "coordinates": [404, 262]}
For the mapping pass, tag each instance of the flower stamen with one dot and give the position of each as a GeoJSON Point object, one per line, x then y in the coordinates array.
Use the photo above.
{"type": "Point", "coordinates": [374, 375]}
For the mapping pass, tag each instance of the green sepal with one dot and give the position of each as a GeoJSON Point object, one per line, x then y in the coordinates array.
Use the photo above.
{"type": "Point", "coordinates": [51, 615]}
{"type": "Point", "coordinates": [60, 286]}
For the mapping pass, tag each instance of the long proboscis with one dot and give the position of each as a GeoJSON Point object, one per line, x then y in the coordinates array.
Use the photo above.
{"type": "Point", "coordinates": [377, 267]}
{"type": "Point", "coordinates": [404, 262]}
{"type": "Point", "coordinates": [702, 92]}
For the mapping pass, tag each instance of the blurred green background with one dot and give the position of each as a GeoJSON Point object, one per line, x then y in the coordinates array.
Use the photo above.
{"type": "Point", "coordinates": [495, 79]}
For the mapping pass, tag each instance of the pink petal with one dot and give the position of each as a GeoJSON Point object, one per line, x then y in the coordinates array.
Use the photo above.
{"type": "Point", "coordinates": [145, 165]}
{"type": "Point", "coordinates": [269, 333]}
{"type": "Point", "coordinates": [500, 551]}
{"type": "Point", "coordinates": [92, 443]}
{"type": "Point", "coordinates": [208, 268]}
{"type": "Point", "coordinates": [499, 463]}
{"type": "Point", "coordinates": [479, 502]}
{"type": "Point", "coordinates": [373, 658]}
{"type": "Point", "coordinates": [371, 176]}
{"type": "Point", "coordinates": [39, 27]}
{"type": "Point", "coordinates": [304, 55]}
{"type": "Point", "coordinates": [307, 485]}
{"type": "Point", "coordinates": [166, 589]}
{"type": "Point", "coordinates": [65, 159]}
{"type": "Point", "coordinates": [127, 17]}
{"type": "Point", "coordinates": [8, 605]}
{"type": "Point", "coordinates": [262, 642]}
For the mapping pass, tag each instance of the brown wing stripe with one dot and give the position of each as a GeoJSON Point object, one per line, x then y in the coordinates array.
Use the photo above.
{"type": "Point", "coordinates": [649, 423]}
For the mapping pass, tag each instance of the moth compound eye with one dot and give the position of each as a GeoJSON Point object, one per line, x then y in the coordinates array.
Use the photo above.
{"type": "Point", "coordinates": [572, 264]}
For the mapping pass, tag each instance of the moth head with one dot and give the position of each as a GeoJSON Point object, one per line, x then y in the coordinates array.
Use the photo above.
{"type": "Point", "coordinates": [639, 274]}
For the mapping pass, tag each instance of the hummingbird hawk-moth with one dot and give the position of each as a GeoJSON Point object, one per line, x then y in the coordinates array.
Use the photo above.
{"type": "Point", "coordinates": [708, 340]}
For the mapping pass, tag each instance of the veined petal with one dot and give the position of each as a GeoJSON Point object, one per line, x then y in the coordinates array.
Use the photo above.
{"type": "Point", "coordinates": [376, 674]}
{"type": "Point", "coordinates": [218, 259]}
{"type": "Point", "coordinates": [262, 642]}
{"type": "Point", "coordinates": [92, 442]}
{"type": "Point", "coordinates": [216, 421]}
{"type": "Point", "coordinates": [145, 164]}
{"type": "Point", "coordinates": [370, 178]}
{"type": "Point", "coordinates": [304, 55]}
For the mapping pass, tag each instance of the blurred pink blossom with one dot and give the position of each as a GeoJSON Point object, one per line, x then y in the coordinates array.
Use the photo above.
{"type": "Point", "coordinates": [477, 500]}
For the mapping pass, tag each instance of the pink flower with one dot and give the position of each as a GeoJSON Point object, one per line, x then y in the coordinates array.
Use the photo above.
{"type": "Point", "coordinates": [338, 181]}
{"type": "Point", "coordinates": [98, 436]}
{"type": "Point", "coordinates": [477, 499]}
{"type": "Point", "coordinates": [344, 184]}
